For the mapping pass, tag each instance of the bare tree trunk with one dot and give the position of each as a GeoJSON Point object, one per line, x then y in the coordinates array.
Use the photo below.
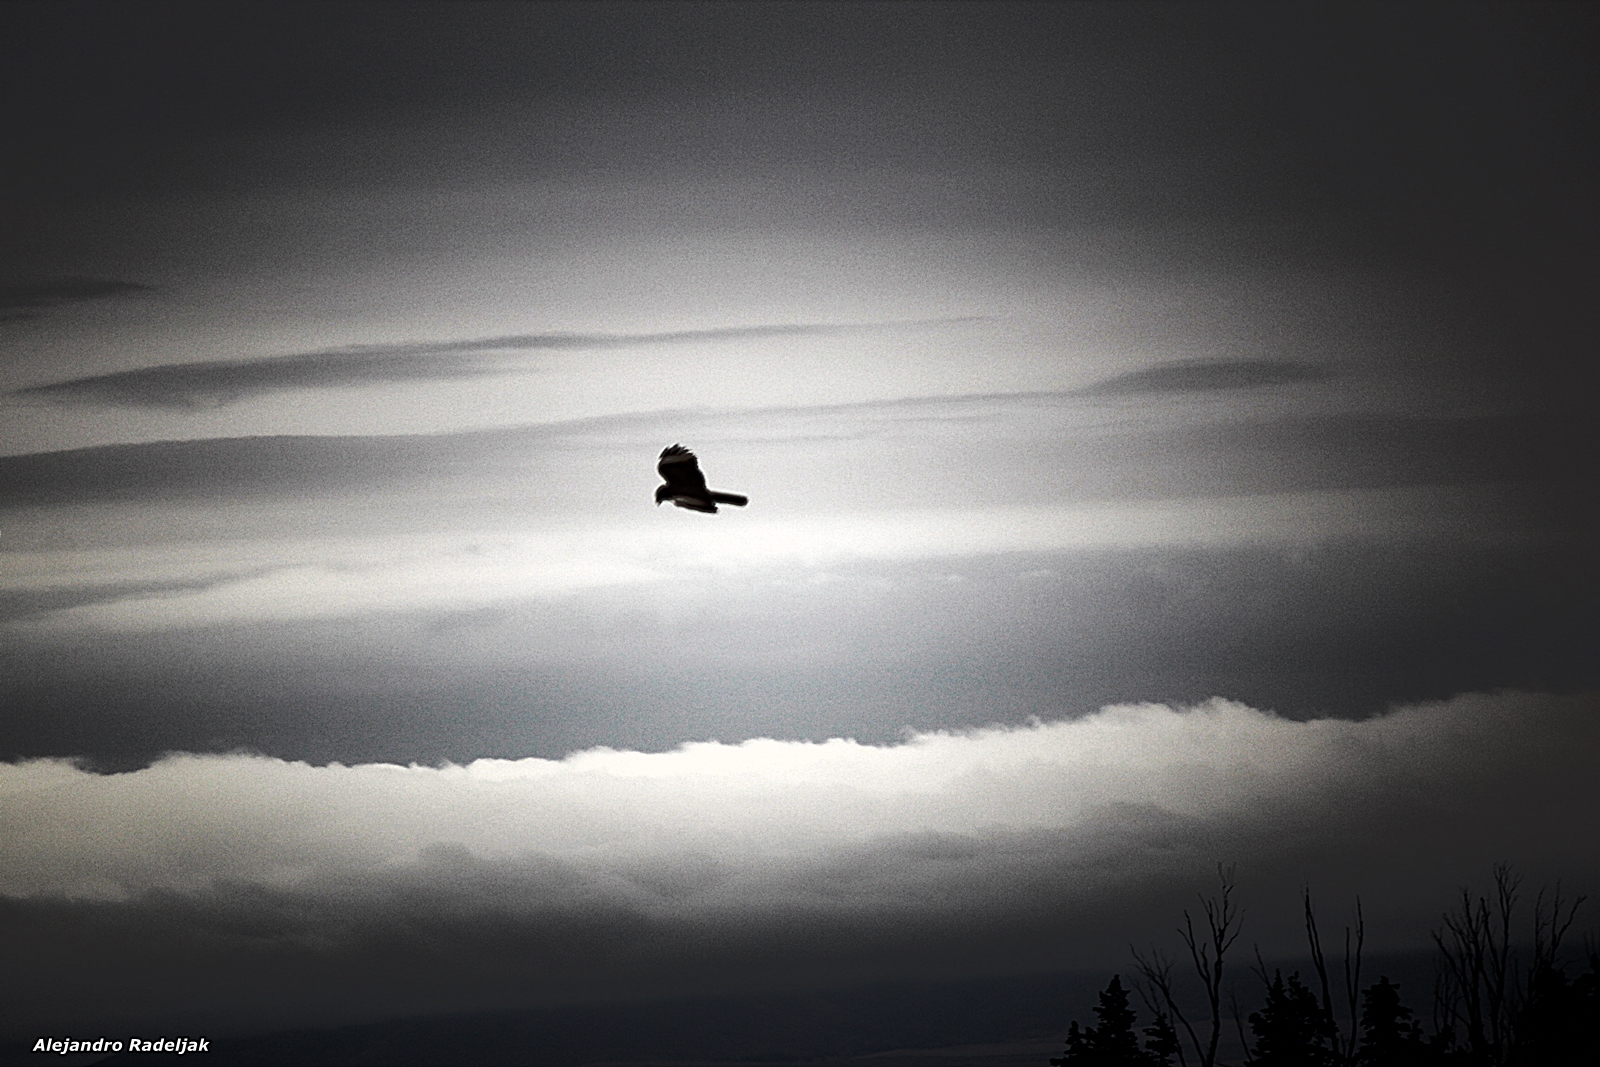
{"type": "Point", "coordinates": [1237, 1012]}
{"type": "Point", "coordinates": [1343, 1045]}
{"type": "Point", "coordinates": [1352, 981]}
{"type": "Point", "coordinates": [1500, 961]}
{"type": "Point", "coordinates": [1207, 951]}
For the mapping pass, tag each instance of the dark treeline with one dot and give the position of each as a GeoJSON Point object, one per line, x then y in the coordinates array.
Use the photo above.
{"type": "Point", "coordinates": [1502, 996]}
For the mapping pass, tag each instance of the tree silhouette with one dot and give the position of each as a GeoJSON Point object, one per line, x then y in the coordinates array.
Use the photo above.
{"type": "Point", "coordinates": [1505, 1010]}
{"type": "Point", "coordinates": [1292, 1029]}
{"type": "Point", "coordinates": [1559, 1022]}
{"type": "Point", "coordinates": [1501, 999]}
{"type": "Point", "coordinates": [1113, 1043]}
{"type": "Point", "coordinates": [1390, 1037]}
{"type": "Point", "coordinates": [1161, 1040]}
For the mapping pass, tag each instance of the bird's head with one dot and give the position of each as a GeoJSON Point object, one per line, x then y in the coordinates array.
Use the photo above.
{"type": "Point", "coordinates": [663, 494]}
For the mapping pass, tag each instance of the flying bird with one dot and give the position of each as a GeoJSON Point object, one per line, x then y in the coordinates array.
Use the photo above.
{"type": "Point", "coordinates": [686, 486]}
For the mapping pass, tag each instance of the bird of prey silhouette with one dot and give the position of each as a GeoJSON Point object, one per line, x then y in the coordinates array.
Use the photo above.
{"type": "Point", "coordinates": [686, 486]}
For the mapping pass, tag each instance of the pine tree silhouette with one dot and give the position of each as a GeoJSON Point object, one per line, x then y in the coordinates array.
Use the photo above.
{"type": "Point", "coordinates": [1560, 1020]}
{"type": "Point", "coordinates": [1291, 1030]}
{"type": "Point", "coordinates": [1113, 1043]}
{"type": "Point", "coordinates": [1390, 1037]}
{"type": "Point", "coordinates": [1161, 1041]}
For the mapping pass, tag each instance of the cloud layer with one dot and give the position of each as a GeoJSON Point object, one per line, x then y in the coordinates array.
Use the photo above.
{"type": "Point", "coordinates": [214, 383]}
{"type": "Point", "coordinates": [771, 862]}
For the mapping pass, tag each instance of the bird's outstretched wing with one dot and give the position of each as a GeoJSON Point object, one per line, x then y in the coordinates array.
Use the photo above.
{"type": "Point", "coordinates": [681, 471]}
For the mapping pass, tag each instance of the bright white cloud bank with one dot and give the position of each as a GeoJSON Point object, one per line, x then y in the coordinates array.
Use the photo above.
{"type": "Point", "coordinates": [768, 810]}
{"type": "Point", "coordinates": [1015, 846]}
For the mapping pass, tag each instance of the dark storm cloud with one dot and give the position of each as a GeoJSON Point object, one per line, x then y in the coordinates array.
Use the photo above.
{"type": "Point", "coordinates": [277, 893]}
{"type": "Point", "coordinates": [218, 382]}
{"type": "Point", "coordinates": [1192, 376]}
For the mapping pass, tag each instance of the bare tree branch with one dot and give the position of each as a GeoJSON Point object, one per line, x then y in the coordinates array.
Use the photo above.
{"type": "Point", "coordinates": [1156, 981]}
{"type": "Point", "coordinates": [1481, 983]}
{"type": "Point", "coordinates": [1208, 952]}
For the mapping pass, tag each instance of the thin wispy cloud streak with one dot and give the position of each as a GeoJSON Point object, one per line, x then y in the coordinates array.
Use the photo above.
{"type": "Point", "coordinates": [48, 292]}
{"type": "Point", "coordinates": [21, 301]}
{"type": "Point", "coordinates": [1196, 376]}
{"type": "Point", "coordinates": [26, 604]}
{"type": "Point", "coordinates": [216, 383]}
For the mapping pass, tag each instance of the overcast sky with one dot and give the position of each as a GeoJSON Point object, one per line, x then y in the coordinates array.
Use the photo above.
{"type": "Point", "coordinates": [1167, 431]}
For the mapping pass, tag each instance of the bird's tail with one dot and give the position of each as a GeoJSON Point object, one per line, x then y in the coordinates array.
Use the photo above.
{"type": "Point", "coordinates": [730, 498]}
